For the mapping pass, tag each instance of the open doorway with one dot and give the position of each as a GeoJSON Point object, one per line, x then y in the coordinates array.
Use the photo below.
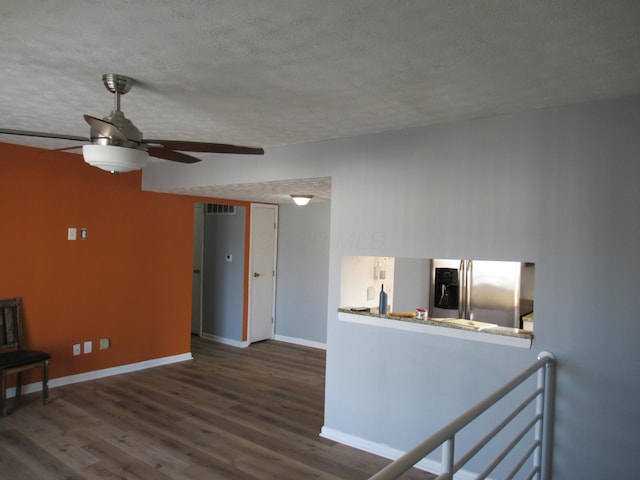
{"type": "Point", "coordinates": [219, 303]}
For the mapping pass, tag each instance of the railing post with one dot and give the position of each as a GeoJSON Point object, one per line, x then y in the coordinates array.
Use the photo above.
{"type": "Point", "coordinates": [549, 412]}
{"type": "Point", "coordinates": [448, 448]}
{"type": "Point", "coordinates": [545, 408]}
{"type": "Point", "coordinates": [537, 458]}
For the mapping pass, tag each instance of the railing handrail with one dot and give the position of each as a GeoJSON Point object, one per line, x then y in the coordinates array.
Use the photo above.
{"type": "Point", "coordinates": [447, 433]}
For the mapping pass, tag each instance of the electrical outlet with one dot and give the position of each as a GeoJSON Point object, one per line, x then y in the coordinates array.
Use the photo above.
{"type": "Point", "coordinates": [76, 349]}
{"type": "Point", "coordinates": [88, 346]}
{"type": "Point", "coordinates": [104, 343]}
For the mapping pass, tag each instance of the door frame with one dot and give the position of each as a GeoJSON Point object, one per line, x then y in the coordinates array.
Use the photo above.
{"type": "Point", "coordinates": [249, 277]}
{"type": "Point", "coordinates": [198, 243]}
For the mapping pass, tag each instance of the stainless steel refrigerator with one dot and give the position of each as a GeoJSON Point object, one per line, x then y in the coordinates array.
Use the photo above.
{"type": "Point", "coordinates": [483, 291]}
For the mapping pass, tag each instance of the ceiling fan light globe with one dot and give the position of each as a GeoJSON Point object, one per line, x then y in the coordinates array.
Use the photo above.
{"type": "Point", "coordinates": [114, 159]}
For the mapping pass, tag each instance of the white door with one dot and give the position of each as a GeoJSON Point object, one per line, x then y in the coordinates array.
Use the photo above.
{"type": "Point", "coordinates": [262, 271]}
{"type": "Point", "coordinates": [196, 282]}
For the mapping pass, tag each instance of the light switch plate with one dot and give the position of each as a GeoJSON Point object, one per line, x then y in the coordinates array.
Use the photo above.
{"type": "Point", "coordinates": [88, 346]}
{"type": "Point", "coordinates": [72, 233]}
{"type": "Point", "coordinates": [370, 293]}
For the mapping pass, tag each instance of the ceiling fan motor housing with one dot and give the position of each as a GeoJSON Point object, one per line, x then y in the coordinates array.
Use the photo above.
{"type": "Point", "coordinates": [125, 125]}
{"type": "Point", "coordinates": [118, 85]}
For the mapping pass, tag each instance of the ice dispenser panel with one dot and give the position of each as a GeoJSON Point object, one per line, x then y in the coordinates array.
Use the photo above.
{"type": "Point", "coordinates": [447, 287]}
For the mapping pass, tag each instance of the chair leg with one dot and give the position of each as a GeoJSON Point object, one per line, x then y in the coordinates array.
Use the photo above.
{"type": "Point", "coordinates": [18, 384]}
{"type": "Point", "coordinates": [45, 383]}
{"type": "Point", "coordinates": [3, 393]}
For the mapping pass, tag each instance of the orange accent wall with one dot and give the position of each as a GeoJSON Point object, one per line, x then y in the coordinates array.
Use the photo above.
{"type": "Point", "coordinates": [130, 281]}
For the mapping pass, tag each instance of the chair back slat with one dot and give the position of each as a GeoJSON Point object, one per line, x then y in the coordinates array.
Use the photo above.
{"type": "Point", "coordinates": [17, 360]}
{"type": "Point", "coordinates": [11, 323]}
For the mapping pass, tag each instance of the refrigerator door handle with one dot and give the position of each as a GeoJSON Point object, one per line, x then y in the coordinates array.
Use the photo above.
{"type": "Point", "coordinates": [468, 288]}
{"type": "Point", "coordinates": [462, 288]}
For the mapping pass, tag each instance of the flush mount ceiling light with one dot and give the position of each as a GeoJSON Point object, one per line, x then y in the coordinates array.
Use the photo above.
{"type": "Point", "coordinates": [301, 199]}
{"type": "Point", "coordinates": [114, 159]}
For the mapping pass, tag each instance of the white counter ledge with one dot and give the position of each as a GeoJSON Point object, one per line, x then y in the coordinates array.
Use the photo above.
{"type": "Point", "coordinates": [455, 328]}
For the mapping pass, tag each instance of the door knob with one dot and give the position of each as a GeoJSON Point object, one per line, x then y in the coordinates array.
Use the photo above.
{"type": "Point", "coordinates": [256, 274]}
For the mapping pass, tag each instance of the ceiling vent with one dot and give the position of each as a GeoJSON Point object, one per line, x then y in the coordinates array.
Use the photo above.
{"type": "Point", "coordinates": [219, 209]}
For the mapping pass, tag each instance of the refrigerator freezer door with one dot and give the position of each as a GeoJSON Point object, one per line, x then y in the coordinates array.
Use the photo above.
{"type": "Point", "coordinates": [493, 292]}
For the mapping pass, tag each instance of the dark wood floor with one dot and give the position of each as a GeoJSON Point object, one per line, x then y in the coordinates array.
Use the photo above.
{"type": "Point", "coordinates": [252, 413]}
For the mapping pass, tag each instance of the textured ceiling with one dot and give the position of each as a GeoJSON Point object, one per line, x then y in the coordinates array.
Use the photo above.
{"type": "Point", "coordinates": [278, 72]}
{"type": "Point", "coordinates": [269, 192]}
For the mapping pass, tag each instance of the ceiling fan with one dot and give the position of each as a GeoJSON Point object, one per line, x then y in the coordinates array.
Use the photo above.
{"type": "Point", "coordinates": [117, 146]}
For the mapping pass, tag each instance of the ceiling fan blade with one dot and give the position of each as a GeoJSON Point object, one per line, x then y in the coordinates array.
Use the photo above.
{"type": "Point", "coordinates": [205, 147]}
{"type": "Point", "coordinates": [63, 149]}
{"type": "Point", "coordinates": [166, 154]}
{"type": "Point", "coordinates": [104, 128]}
{"type": "Point", "coordinates": [27, 133]}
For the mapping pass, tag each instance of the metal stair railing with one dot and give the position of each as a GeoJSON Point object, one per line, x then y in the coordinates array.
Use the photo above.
{"type": "Point", "coordinates": [539, 453]}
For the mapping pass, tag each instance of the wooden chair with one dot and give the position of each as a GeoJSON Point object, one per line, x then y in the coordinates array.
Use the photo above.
{"type": "Point", "coordinates": [13, 357]}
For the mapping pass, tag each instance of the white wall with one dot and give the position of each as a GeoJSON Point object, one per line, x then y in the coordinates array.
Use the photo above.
{"type": "Point", "coordinates": [357, 276]}
{"type": "Point", "coordinates": [556, 187]}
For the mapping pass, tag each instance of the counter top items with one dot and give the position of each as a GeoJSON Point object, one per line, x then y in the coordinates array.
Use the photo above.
{"type": "Point", "coordinates": [457, 323]}
{"type": "Point", "coordinates": [462, 322]}
{"type": "Point", "coordinates": [527, 322]}
{"type": "Point", "coordinates": [360, 309]}
{"type": "Point", "coordinates": [403, 314]}
{"type": "Point", "coordinates": [382, 306]}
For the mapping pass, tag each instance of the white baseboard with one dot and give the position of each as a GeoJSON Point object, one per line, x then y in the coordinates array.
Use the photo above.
{"type": "Point", "coordinates": [301, 341]}
{"type": "Point", "coordinates": [226, 341]}
{"type": "Point", "coordinates": [105, 372]}
{"type": "Point", "coordinates": [281, 338]}
{"type": "Point", "coordinates": [386, 451]}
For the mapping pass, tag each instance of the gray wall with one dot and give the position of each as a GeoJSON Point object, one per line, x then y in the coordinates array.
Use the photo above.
{"type": "Point", "coordinates": [557, 187]}
{"type": "Point", "coordinates": [223, 282]}
{"type": "Point", "coordinates": [303, 272]}
{"type": "Point", "coordinates": [411, 284]}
